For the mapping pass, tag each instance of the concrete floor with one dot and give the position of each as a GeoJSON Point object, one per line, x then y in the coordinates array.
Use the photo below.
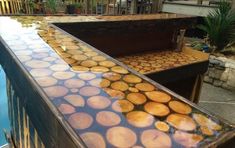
{"type": "Point", "coordinates": [218, 101]}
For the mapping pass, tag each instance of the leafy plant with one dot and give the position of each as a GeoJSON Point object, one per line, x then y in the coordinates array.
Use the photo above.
{"type": "Point", "coordinates": [220, 26]}
{"type": "Point", "coordinates": [51, 5]}
{"type": "Point", "coordinates": [78, 5]}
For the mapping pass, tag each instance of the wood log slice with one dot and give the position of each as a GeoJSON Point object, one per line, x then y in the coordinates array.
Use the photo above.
{"type": "Point", "coordinates": [107, 64]}
{"type": "Point", "coordinates": [112, 76]}
{"type": "Point", "coordinates": [93, 140]}
{"type": "Point", "coordinates": [107, 118]}
{"type": "Point", "coordinates": [75, 100]}
{"type": "Point", "coordinates": [157, 109]}
{"type": "Point", "coordinates": [187, 139]}
{"type": "Point", "coordinates": [74, 51]}
{"type": "Point", "coordinates": [56, 91]}
{"type": "Point", "coordinates": [119, 69]}
{"type": "Point", "coordinates": [206, 131]}
{"type": "Point", "coordinates": [98, 58]}
{"type": "Point", "coordinates": [132, 79]}
{"type": "Point", "coordinates": [63, 75]}
{"type": "Point", "coordinates": [122, 106]}
{"type": "Point", "coordinates": [24, 58]}
{"type": "Point", "coordinates": [80, 68]}
{"type": "Point", "coordinates": [162, 126]}
{"type": "Point", "coordinates": [88, 63]}
{"type": "Point", "coordinates": [79, 57]}
{"type": "Point", "coordinates": [153, 138]}
{"type": "Point", "coordinates": [139, 119]}
{"type": "Point", "coordinates": [80, 120]}
{"type": "Point", "coordinates": [145, 87]}
{"type": "Point", "coordinates": [115, 94]}
{"type": "Point", "coordinates": [121, 137]}
{"type": "Point", "coordinates": [206, 122]}
{"type": "Point", "coordinates": [91, 53]}
{"type": "Point", "coordinates": [74, 83]}
{"type": "Point", "coordinates": [133, 89]}
{"type": "Point", "coordinates": [98, 102]}
{"type": "Point", "coordinates": [37, 64]}
{"type": "Point", "coordinates": [180, 107]}
{"type": "Point", "coordinates": [59, 67]}
{"type": "Point", "coordinates": [86, 76]}
{"type": "Point", "coordinates": [119, 85]}
{"type": "Point", "coordinates": [46, 81]}
{"type": "Point", "coordinates": [181, 122]}
{"type": "Point", "coordinates": [136, 98]}
{"type": "Point", "coordinates": [158, 96]}
{"type": "Point", "coordinates": [66, 109]}
{"type": "Point", "coordinates": [99, 69]}
{"type": "Point", "coordinates": [100, 82]}
{"type": "Point", "coordinates": [89, 91]}
{"type": "Point", "coordinates": [69, 60]}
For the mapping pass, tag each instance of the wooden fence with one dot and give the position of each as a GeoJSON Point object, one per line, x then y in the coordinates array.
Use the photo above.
{"type": "Point", "coordinates": [14, 7]}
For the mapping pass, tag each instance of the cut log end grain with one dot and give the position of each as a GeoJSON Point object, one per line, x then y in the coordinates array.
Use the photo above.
{"type": "Point", "coordinates": [107, 64]}
{"type": "Point", "coordinates": [122, 106]}
{"type": "Point", "coordinates": [132, 79]}
{"type": "Point", "coordinates": [158, 96]}
{"type": "Point", "coordinates": [100, 82]}
{"type": "Point", "coordinates": [154, 138]}
{"type": "Point", "coordinates": [56, 91]}
{"type": "Point", "coordinates": [75, 100]}
{"type": "Point", "coordinates": [86, 76]}
{"type": "Point", "coordinates": [89, 91]}
{"type": "Point", "coordinates": [187, 139]}
{"type": "Point", "coordinates": [66, 109]}
{"type": "Point", "coordinates": [181, 122]}
{"type": "Point", "coordinates": [121, 137]}
{"type": "Point", "coordinates": [59, 67]}
{"type": "Point", "coordinates": [112, 76]}
{"type": "Point", "coordinates": [180, 107]}
{"type": "Point", "coordinates": [98, 102]}
{"type": "Point", "coordinates": [119, 69]}
{"type": "Point", "coordinates": [37, 64]}
{"type": "Point", "coordinates": [79, 57]}
{"type": "Point", "coordinates": [156, 109]}
{"type": "Point", "coordinates": [136, 98]}
{"type": "Point", "coordinates": [99, 69]}
{"type": "Point", "coordinates": [202, 120]}
{"type": "Point", "coordinates": [88, 63]}
{"type": "Point", "coordinates": [46, 81]}
{"type": "Point", "coordinates": [162, 126]}
{"type": "Point", "coordinates": [74, 83]}
{"type": "Point", "coordinates": [139, 119]}
{"type": "Point", "coordinates": [63, 75]}
{"type": "Point", "coordinates": [80, 120]}
{"type": "Point", "coordinates": [133, 89]}
{"type": "Point", "coordinates": [206, 131]}
{"type": "Point", "coordinates": [93, 140]}
{"type": "Point", "coordinates": [80, 68]}
{"type": "Point", "coordinates": [98, 58]}
{"type": "Point", "coordinates": [107, 118]}
{"type": "Point", "coordinates": [115, 94]}
{"type": "Point", "coordinates": [145, 87]}
{"type": "Point", "coordinates": [120, 85]}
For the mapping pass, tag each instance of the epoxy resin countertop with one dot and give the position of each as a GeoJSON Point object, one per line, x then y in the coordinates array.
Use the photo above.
{"type": "Point", "coordinates": [104, 102]}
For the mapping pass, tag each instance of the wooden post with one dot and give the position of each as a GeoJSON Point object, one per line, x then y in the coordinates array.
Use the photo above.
{"type": "Point", "coordinates": [133, 6]}
{"type": "Point", "coordinates": [157, 6]}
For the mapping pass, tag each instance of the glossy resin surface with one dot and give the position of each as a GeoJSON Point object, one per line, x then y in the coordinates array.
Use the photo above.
{"type": "Point", "coordinates": [106, 104]}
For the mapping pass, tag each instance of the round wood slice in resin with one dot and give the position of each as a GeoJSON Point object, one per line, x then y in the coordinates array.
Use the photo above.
{"type": "Point", "coordinates": [89, 91]}
{"type": "Point", "coordinates": [80, 68]}
{"type": "Point", "coordinates": [88, 63]}
{"type": "Point", "coordinates": [79, 57]}
{"type": "Point", "coordinates": [133, 89]}
{"type": "Point", "coordinates": [181, 122]}
{"type": "Point", "coordinates": [91, 53]}
{"type": "Point", "coordinates": [98, 102]}
{"type": "Point", "coordinates": [115, 94]}
{"type": "Point", "coordinates": [74, 52]}
{"type": "Point", "coordinates": [98, 58]}
{"type": "Point", "coordinates": [144, 87]}
{"type": "Point", "coordinates": [107, 118]}
{"type": "Point", "coordinates": [46, 81]}
{"type": "Point", "coordinates": [139, 119]}
{"type": "Point", "coordinates": [86, 76]}
{"type": "Point", "coordinates": [112, 76]}
{"type": "Point", "coordinates": [56, 91]}
{"type": "Point", "coordinates": [136, 98]}
{"type": "Point", "coordinates": [180, 107]}
{"type": "Point", "coordinates": [187, 139]}
{"type": "Point", "coordinates": [99, 69]}
{"type": "Point", "coordinates": [121, 136]}
{"type": "Point", "coordinates": [69, 60]}
{"type": "Point", "coordinates": [158, 96]}
{"type": "Point", "coordinates": [122, 106]}
{"type": "Point", "coordinates": [204, 121]}
{"type": "Point", "coordinates": [37, 64]}
{"type": "Point", "coordinates": [119, 69]}
{"type": "Point", "coordinates": [93, 140]}
{"type": "Point", "coordinates": [100, 82]}
{"type": "Point", "coordinates": [59, 67]}
{"type": "Point", "coordinates": [80, 120]}
{"type": "Point", "coordinates": [65, 55]}
{"type": "Point", "coordinates": [162, 126]}
{"type": "Point", "coordinates": [206, 131]}
{"type": "Point", "coordinates": [74, 83]}
{"type": "Point", "coordinates": [153, 138]}
{"type": "Point", "coordinates": [63, 75]}
{"type": "Point", "coordinates": [120, 85]}
{"type": "Point", "coordinates": [75, 100]}
{"type": "Point", "coordinates": [49, 59]}
{"type": "Point", "coordinates": [156, 109]}
{"type": "Point", "coordinates": [132, 79]}
{"type": "Point", "coordinates": [66, 109]}
{"type": "Point", "coordinates": [107, 63]}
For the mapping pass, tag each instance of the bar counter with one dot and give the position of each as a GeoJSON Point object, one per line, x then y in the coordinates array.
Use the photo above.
{"type": "Point", "coordinates": [74, 95]}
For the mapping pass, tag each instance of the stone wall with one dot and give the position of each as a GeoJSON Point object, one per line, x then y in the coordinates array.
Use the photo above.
{"type": "Point", "coordinates": [221, 72]}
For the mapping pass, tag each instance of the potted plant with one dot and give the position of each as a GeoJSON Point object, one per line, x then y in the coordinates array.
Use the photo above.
{"type": "Point", "coordinates": [50, 7]}
{"type": "Point", "coordinates": [78, 8]}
